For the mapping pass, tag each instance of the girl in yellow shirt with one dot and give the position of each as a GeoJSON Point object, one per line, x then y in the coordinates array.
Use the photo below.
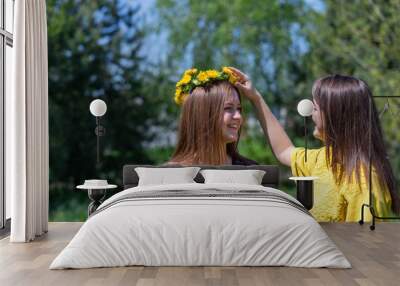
{"type": "Point", "coordinates": [341, 105]}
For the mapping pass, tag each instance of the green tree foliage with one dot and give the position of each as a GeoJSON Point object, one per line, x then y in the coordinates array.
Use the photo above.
{"type": "Point", "coordinates": [361, 38]}
{"type": "Point", "coordinates": [94, 52]}
{"type": "Point", "coordinates": [260, 37]}
{"type": "Point", "coordinates": [257, 36]}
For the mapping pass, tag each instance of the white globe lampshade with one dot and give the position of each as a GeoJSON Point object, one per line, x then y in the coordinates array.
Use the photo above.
{"type": "Point", "coordinates": [98, 107]}
{"type": "Point", "coordinates": [305, 107]}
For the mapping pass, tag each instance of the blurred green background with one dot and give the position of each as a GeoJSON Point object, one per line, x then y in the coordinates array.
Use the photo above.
{"type": "Point", "coordinates": [131, 53]}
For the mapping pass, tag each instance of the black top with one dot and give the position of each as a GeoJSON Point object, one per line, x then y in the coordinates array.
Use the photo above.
{"type": "Point", "coordinates": [238, 159]}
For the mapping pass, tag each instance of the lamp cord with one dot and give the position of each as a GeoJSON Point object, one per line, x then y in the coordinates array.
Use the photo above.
{"type": "Point", "coordinates": [98, 138]}
{"type": "Point", "coordinates": [305, 136]}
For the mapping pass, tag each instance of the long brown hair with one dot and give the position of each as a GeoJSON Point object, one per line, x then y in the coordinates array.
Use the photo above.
{"type": "Point", "coordinates": [200, 137]}
{"type": "Point", "coordinates": [344, 102]}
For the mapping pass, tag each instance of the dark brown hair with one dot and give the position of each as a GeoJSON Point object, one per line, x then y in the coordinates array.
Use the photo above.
{"type": "Point", "coordinates": [200, 137]}
{"type": "Point", "coordinates": [344, 103]}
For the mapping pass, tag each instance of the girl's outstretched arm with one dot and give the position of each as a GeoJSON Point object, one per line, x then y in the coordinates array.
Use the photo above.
{"type": "Point", "coordinates": [280, 142]}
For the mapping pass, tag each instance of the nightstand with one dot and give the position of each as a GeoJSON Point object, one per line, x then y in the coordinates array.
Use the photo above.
{"type": "Point", "coordinates": [305, 190]}
{"type": "Point", "coordinates": [97, 190]}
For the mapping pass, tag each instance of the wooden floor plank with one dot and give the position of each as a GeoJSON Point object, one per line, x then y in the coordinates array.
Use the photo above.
{"type": "Point", "coordinates": [374, 255]}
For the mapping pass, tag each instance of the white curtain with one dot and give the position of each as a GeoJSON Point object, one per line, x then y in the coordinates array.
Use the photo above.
{"type": "Point", "coordinates": [27, 139]}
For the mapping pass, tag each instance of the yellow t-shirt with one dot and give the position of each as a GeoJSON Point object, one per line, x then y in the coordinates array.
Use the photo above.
{"type": "Point", "coordinates": [339, 203]}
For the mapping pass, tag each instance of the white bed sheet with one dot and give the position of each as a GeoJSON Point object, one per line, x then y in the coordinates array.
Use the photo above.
{"type": "Point", "coordinates": [200, 231]}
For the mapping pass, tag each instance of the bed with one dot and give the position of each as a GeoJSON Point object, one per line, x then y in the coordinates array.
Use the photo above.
{"type": "Point", "coordinates": [201, 224]}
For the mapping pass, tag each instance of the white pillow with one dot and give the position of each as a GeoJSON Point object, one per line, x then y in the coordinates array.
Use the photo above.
{"type": "Point", "coordinates": [248, 177]}
{"type": "Point", "coordinates": [164, 176]}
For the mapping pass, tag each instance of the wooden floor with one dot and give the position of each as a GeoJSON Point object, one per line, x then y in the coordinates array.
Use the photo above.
{"type": "Point", "coordinates": [374, 255]}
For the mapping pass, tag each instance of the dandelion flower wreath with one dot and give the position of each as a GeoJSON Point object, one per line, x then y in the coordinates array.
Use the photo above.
{"type": "Point", "coordinates": [193, 78]}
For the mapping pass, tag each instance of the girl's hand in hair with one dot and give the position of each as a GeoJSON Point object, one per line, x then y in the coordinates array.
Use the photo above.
{"type": "Point", "coordinates": [281, 144]}
{"type": "Point", "coordinates": [245, 85]}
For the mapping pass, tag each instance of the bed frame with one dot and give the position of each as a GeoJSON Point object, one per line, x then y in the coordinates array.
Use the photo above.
{"type": "Point", "coordinates": [271, 178]}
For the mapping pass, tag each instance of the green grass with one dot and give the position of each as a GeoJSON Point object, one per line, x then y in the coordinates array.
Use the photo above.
{"type": "Point", "coordinates": [71, 210]}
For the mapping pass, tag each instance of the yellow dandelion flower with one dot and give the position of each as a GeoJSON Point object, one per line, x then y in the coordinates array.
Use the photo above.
{"type": "Point", "coordinates": [212, 73]}
{"type": "Point", "coordinates": [232, 79]}
{"type": "Point", "coordinates": [186, 79]}
{"type": "Point", "coordinates": [179, 99]}
{"type": "Point", "coordinates": [226, 70]}
{"type": "Point", "coordinates": [191, 71]}
{"type": "Point", "coordinates": [178, 96]}
{"type": "Point", "coordinates": [178, 91]}
{"type": "Point", "coordinates": [202, 76]}
{"type": "Point", "coordinates": [231, 76]}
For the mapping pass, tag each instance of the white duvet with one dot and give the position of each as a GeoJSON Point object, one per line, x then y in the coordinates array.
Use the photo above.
{"type": "Point", "coordinates": [183, 231]}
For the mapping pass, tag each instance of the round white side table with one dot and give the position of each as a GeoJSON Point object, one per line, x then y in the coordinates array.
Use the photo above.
{"type": "Point", "coordinates": [96, 195]}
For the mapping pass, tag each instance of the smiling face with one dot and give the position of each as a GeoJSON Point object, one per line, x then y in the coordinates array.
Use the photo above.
{"type": "Point", "coordinates": [209, 126]}
{"type": "Point", "coordinates": [232, 119]}
{"type": "Point", "coordinates": [317, 118]}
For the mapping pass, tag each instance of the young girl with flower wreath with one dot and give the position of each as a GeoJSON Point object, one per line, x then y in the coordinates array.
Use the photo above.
{"type": "Point", "coordinates": [210, 120]}
{"type": "Point", "coordinates": [341, 117]}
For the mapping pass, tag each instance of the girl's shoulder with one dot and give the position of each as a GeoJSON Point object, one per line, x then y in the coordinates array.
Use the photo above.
{"type": "Point", "coordinates": [313, 155]}
{"type": "Point", "coordinates": [305, 163]}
